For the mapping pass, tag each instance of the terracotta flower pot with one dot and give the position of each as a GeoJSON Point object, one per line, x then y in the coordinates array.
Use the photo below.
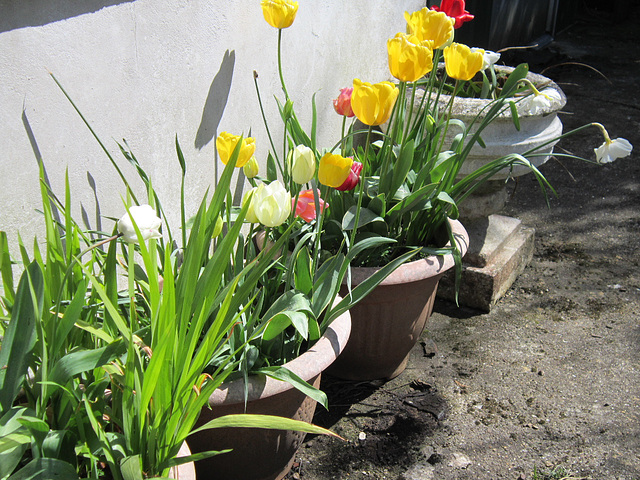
{"type": "Point", "coordinates": [389, 321]}
{"type": "Point", "coordinates": [186, 471]}
{"type": "Point", "coordinates": [260, 454]}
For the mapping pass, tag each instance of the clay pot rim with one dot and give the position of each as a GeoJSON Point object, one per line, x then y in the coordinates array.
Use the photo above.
{"type": "Point", "coordinates": [432, 266]}
{"type": "Point", "coordinates": [307, 366]}
{"type": "Point", "coordinates": [462, 106]}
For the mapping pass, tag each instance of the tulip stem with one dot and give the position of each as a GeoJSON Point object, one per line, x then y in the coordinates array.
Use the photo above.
{"type": "Point", "coordinates": [360, 189]}
{"type": "Point", "coordinates": [343, 150]}
{"type": "Point", "coordinates": [324, 191]}
{"type": "Point", "coordinates": [264, 119]}
{"type": "Point", "coordinates": [284, 88]}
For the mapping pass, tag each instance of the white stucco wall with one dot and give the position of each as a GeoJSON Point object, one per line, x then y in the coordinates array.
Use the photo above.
{"type": "Point", "coordinates": [142, 70]}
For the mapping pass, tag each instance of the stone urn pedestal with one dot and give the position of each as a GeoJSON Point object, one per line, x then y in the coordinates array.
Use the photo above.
{"type": "Point", "coordinates": [500, 247]}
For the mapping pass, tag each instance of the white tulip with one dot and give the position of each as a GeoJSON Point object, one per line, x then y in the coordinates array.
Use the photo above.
{"type": "Point", "coordinates": [146, 220]}
{"type": "Point", "coordinates": [272, 204]}
{"type": "Point", "coordinates": [303, 164]}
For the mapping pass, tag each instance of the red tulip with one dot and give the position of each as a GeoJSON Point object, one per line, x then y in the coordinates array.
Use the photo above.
{"type": "Point", "coordinates": [342, 104]}
{"type": "Point", "coordinates": [353, 179]}
{"type": "Point", "coordinates": [454, 9]}
{"type": "Point", "coordinates": [306, 208]}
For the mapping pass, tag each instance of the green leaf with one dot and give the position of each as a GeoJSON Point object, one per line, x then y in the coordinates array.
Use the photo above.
{"type": "Point", "coordinates": [326, 283]}
{"type": "Point", "coordinates": [272, 170]}
{"type": "Point", "coordinates": [60, 444]}
{"type": "Point", "coordinates": [378, 205]}
{"type": "Point", "coordinates": [174, 462]}
{"type": "Point", "coordinates": [85, 360]}
{"type": "Point", "coordinates": [20, 336]}
{"type": "Point", "coordinates": [270, 422]}
{"type": "Point", "coordinates": [130, 468]}
{"type": "Point", "coordinates": [278, 323]}
{"type": "Point", "coordinates": [286, 375]}
{"type": "Point", "coordinates": [402, 167]}
{"type": "Point", "coordinates": [511, 84]}
{"type": "Point", "coordinates": [14, 439]}
{"type": "Point", "coordinates": [183, 164]}
{"type": "Point", "coordinates": [290, 300]}
{"type": "Point", "coordinates": [46, 469]}
{"type": "Point", "coordinates": [5, 268]}
{"type": "Point", "coordinates": [514, 114]}
{"type": "Point", "coordinates": [366, 216]}
{"type": "Point", "coordinates": [70, 315]}
{"type": "Point", "coordinates": [303, 276]}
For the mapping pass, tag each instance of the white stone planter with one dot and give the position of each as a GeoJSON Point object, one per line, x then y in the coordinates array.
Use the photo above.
{"type": "Point", "coordinates": [501, 137]}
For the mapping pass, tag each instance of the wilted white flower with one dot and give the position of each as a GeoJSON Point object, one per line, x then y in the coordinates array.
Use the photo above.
{"type": "Point", "coordinates": [538, 102]}
{"type": "Point", "coordinates": [612, 149]}
{"type": "Point", "coordinates": [145, 218]}
{"type": "Point", "coordinates": [489, 58]}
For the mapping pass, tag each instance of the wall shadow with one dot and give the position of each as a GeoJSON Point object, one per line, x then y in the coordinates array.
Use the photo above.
{"type": "Point", "coordinates": [216, 101]}
{"type": "Point", "coordinates": [21, 13]}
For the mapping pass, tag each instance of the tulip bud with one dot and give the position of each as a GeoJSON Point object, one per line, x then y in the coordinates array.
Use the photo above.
{"type": "Point", "coordinates": [145, 219]}
{"type": "Point", "coordinates": [217, 229]}
{"type": "Point", "coordinates": [251, 168]}
{"type": "Point", "coordinates": [303, 164]}
{"type": "Point", "coordinates": [250, 217]}
{"type": "Point", "coordinates": [288, 109]}
{"type": "Point", "coordinates": [342, 104]}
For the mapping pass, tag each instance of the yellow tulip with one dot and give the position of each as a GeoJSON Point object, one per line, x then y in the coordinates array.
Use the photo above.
{"type": "Point", "coordinates": [461, 63]}
{"type": "Point", "coordinates": [279, 13]}
{"type": "Point", "coordinates": [334, 169]}
{"type": "Point", "coordinates": [226, 144]}
{"type": "Point", "coordinates": [430, 25]}
{"type": "Point", "coordinates": [373, 104]}
{"type": "Point", "coordinates": [409, 58]}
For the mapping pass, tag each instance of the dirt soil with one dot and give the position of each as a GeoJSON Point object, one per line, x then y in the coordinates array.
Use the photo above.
{"type": "Point", "coordinates": [547, 385]}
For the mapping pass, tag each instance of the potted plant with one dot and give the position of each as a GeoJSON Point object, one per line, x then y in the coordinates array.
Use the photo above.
{"type": "Point", "coordinates": [97, 381]}
{"type": "Point", "coordinates": [412, 180]}
{"type": "Point", "coordinates": [287, 312]}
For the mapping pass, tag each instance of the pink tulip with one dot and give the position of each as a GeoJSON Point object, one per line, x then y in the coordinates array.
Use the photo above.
{"type": "Point", "coordinates": [342, 104]}
{"type": "Point", "coordinates": [306, 208]}
{"type": "Point", "coordinates": [454, 9]}
{"type": "Point", "coordinates": [353, 179]}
